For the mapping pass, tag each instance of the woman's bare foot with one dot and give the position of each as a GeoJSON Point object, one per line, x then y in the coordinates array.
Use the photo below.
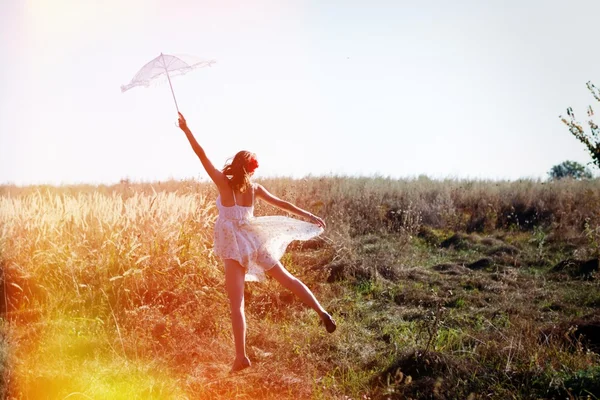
{"type": "Point", "coordinates": [240, 364]}
{"type": "Point", "coordinates": [328, 322]}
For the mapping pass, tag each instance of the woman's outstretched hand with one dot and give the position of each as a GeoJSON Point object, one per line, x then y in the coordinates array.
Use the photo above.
{"type": "Point", "coordinates": [318, 221]}
{"type": "Point", "coordinates": [182, 122]}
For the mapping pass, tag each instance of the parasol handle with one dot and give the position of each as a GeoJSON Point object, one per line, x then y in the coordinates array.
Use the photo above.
{"type": "Point", "coordinates": [169, 79]}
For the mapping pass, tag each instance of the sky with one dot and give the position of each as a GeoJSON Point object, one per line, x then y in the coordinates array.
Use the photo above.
{"type": "Point", "coordinates": [464, 89]}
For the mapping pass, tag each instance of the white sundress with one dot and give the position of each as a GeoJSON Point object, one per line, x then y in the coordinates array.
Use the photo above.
{"type": "Point", "coordinates": [257, 243]}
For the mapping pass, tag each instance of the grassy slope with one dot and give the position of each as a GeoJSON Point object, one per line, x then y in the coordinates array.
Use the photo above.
{"type": "Point", "coordinates": [113, 293]}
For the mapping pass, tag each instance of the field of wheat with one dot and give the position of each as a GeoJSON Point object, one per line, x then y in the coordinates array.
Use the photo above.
{"type": "Point", "coordinates": [441, 289]}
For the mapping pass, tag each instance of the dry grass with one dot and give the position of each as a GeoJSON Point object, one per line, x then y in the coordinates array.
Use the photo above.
{"type": "Point", "coordinates": [440, 289]}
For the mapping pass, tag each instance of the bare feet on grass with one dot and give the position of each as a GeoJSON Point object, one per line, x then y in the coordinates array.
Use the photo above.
{"type": "Point", "coordinates": [240, 364]}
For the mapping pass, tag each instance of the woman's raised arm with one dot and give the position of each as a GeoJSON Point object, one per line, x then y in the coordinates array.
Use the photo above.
{"type": "Point", "coordinates": [217, 176]}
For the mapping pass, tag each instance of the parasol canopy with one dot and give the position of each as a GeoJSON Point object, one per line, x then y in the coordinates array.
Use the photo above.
{"type": "Point", "coordinates": [166, 65]}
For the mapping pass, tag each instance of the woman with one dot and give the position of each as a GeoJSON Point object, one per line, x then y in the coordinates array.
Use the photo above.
{"type": "Point", "coordinates": [250, 246]}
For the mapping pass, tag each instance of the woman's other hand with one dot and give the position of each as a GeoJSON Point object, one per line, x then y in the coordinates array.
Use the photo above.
{"type": "Point", "coordinates": [318, 221]}
{"type": "Point", "coordinates": [182, 122]}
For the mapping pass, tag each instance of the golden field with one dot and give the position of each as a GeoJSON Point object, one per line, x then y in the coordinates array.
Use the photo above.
{"type": "Point", "coordinates": [441, 289]}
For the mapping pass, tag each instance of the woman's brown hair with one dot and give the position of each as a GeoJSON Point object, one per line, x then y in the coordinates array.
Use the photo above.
{"type": "Point", "coordinates": [239, 170]}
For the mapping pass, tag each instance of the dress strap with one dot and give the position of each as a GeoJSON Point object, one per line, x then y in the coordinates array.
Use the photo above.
{"type": "Point", "coordinates": [252, 186]}
{"type": "Point", "coordinates": [234, 202]}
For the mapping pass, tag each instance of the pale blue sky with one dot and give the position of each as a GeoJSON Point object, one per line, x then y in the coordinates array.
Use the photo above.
{"type": "Point", "coordinates": [463, 89]}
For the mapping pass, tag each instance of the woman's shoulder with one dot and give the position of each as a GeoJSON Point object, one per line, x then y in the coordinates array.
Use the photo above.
{"type": "Point", "coordinates": [257, 188]}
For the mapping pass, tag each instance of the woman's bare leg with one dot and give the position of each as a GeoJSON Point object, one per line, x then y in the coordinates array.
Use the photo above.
{"type": "Point", "coordinates": [296, 286]}
{"type": "Point", "coordinates": [234, 284]}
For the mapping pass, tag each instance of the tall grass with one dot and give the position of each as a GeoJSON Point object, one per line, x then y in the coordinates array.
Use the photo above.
{"type": "Point", "coordinates": [364, 202]}
{"type": "Point", "coordinates": [78, 266]}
